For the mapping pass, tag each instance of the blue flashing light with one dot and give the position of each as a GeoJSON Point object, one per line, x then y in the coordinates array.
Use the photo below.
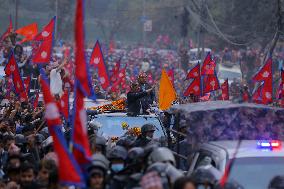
{"type": "Point", "coordinates": [270, 145]}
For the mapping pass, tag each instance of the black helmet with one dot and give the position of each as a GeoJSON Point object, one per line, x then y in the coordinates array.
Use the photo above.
{"type": "Point", "coordinates": [147, 127]}
{"type": "Point", "coordinates": [161, 154]}
{"type": "Point", "coordinates": [165, 170]}
{"type": "Point", "coordinates": [118, 152]}
{"type": "Point", "coordinates": [203, 176]}
{"type": "Point", "coordinates": [135, 155]}
{"type": "Point", "coordinates": [231, 184]}
{"type": "Point", "coordinates": [277, 183]}
{"type": "Point", "coordinates": [99, 160]}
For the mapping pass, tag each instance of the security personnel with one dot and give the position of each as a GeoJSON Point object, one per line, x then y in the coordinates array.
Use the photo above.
{"type": "Point", "coordinates": [144, 86]}
{"type": "Point", "coordinates": [146, 137]}
{"type": "Point", "coordinates": [134, 99]}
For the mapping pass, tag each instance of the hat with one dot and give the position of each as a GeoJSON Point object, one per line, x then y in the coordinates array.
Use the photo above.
{"type": "Point", "coordinates": [97, 171]}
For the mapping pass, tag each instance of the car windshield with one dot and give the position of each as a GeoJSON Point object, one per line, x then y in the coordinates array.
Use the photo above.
{"type": "Point", "coordinates": [256, 172]}
{"type": "Point", "coordinates": [111, 126]}
{"type": "Point", "coordinates": [224, 74]}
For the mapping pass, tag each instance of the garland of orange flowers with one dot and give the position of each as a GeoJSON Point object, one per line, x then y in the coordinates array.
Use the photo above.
{"type": "Point", "coordinates": [118, 105]}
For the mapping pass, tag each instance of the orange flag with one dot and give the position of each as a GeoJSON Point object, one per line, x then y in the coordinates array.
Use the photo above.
{"type": "Point", "coordinates": [29, 32]}
{"type": "Point", "coordinates": [167, 93]}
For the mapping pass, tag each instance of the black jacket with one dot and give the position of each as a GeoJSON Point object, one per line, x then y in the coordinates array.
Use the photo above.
{"type": "Point", "coordinates": [148, 99]}
{"type": "Point", "coordinates": [134, 102]}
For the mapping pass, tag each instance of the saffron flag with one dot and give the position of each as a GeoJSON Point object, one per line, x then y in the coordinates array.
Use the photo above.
{"type": "Point", "coordinates": [97, 60]}
{"type": "Point", "coordinates": [82, 74]}
{"type": "Point", "coordinates": [69, 171]}
{"type": "Point", "coordinates": [225, 90]}
{"type": "Point", "coordinates": [29, 32]}
{"type": "Point", "coordinates": [167, 93]}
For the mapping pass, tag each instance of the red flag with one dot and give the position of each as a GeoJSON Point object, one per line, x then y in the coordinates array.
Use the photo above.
{"type": "Point", "coordinates": [210, 83]}
{"type": "Point", "coordinates": [208, 66]}
{"type": "Point", "coordinates": [150, 79]}
{"type": "Point", "coordinates": [205, 98]}
{"type": "Point", "coordinates": [35, 104]}
{"type": "Point", "coordinates": [42, 48]}
{"type": "Point", "coordinates": [24, 96]}
{"type": "Point", "coordinates": [8, 31]}
{"type": "Point", "coordinates": [245, 96]}
{"type": "Point", "coordinates": [265, 73]}
{"type": "Point", "coordinates": [29, 32]}
{"type": "Point", "coordinates": [225, 90]}
{"type": "Point", "coordinates": [47, 32]}
{"type": "Point", "coordinates": [194, 72]}
{"type": "Point", "coordinates": [256, 96]}
{"type": "Point", "coordinates": [64, 105]}
{"type": "Point", "coordinates": [27, 83]}
{"type": "Point", "coordinates": [171, 75]}
{"type": "Point", "coordinates": [281, 85]}
{"type": "Point", "coordinates": [13, 70]}
{"type": "Point", "coordinates": [69, 171]}
{"type": "Point", "coordinates": [81, 150]}
{"type": "Point", "coordinates": [111, 46]}
{"type": "Point", "coordinates": [115, 72]}
{"type": "Point", "coordinates": [229, 166]}
{"type": "Point", "coordinates": [121, 80]}
{"type": "Point", "coordinates": [97, 60]}
{"type": "Point", "coordinates": [82, 67]}
{"type": "Point", "coordinates": [194, 88]}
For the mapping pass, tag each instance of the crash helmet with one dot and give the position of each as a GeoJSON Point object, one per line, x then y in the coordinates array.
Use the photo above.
{"type": "Point", "coordinates": [135, 155]}
{"type": "Point", "coordinates": [203, 176]}
{"type": "Point", "coordinates": [161, 154]}
{"type": "Point", "coordinates": [99, 160]}
{"type": "Point", "coordinates": [147, 127]}
{"type": "Point", "coordinates": [118, 152]}
{"type": "Point", "coordinates": [277, 183]}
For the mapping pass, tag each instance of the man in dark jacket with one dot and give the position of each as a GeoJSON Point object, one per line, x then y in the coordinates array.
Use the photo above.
{"type": "Point", "coordinates": [134, 98]}
{"type": "Point", "coordinates": [150, 97]}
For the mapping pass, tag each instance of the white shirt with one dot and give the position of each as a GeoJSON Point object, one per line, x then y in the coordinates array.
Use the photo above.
{"type": "Point", "coordinates": [55, 82]}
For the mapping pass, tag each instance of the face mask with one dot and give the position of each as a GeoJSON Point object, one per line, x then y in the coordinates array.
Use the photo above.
{"type": "Point", "coordinates": [117, 167]}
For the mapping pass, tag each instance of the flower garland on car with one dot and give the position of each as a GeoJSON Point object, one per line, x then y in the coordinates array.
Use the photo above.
{"type": "Point", "coordinates": [118, 105]}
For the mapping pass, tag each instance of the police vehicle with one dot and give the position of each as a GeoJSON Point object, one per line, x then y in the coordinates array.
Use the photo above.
{"type": "Point", "coordinates": [255, 163]}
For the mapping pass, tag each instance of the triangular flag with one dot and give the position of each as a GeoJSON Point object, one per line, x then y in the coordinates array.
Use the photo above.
{"type": "Point", "coordinates": [82, 73]}
{"type": "Point", "coordinates": [194, 72]}
{"type": "Point", "coordinates": [42, 47]}
{"type": "Point", "coordinates": [29, 32]}
{"type": "Point", "coordinates": [265, 73]}
{"type": "Point", "coordinates": [35, 103]}
{"type": "Point", "coordinates": [68, 170]}
{"type": "Point", "coordinates": [208, 66]}
{"type": "Point", "coordinates": [167, 93]}
{"type": "Point", "coordinates": [97, 60]}
{"type": "Point", "coordinates": [210, 83]}
{"type": "Point", "coordinates": [64, 105]}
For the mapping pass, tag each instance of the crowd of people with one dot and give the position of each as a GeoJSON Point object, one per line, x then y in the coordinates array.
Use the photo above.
{"type": "Point", "coordinates": [27, 157]}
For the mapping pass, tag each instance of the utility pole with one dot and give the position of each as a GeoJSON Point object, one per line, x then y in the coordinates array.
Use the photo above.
{"type": "Point", "coordinates": [16, 14]}
{"type": "Point", "coordinates": [144, 32]}
{"type": "Point", "coordinates": [56, 21]}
